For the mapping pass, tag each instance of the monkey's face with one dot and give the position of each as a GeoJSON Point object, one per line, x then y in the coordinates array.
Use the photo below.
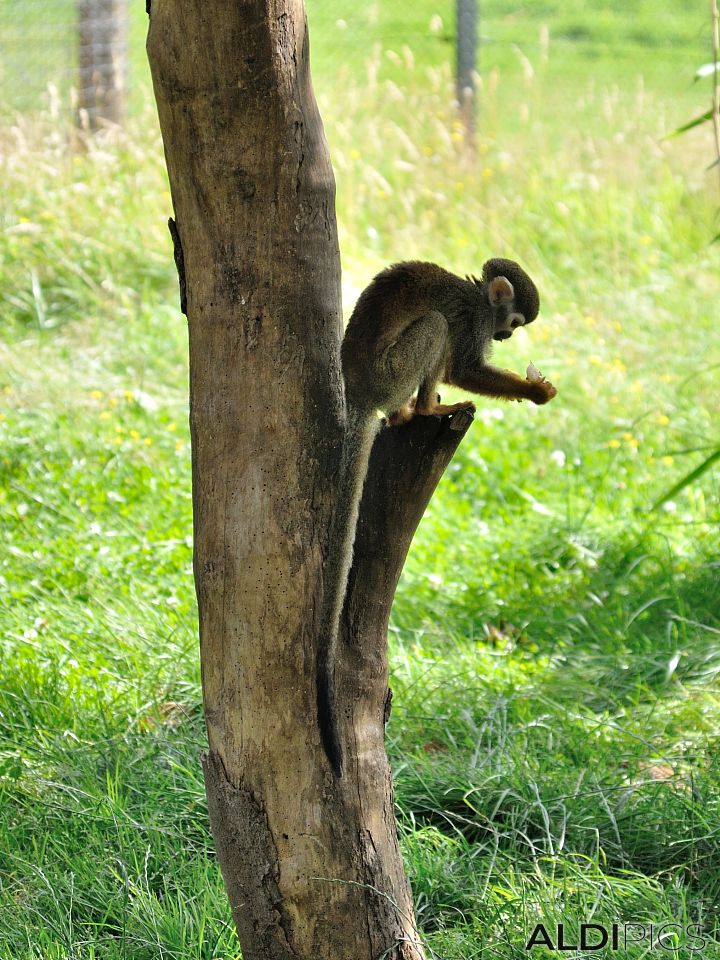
{"type": "Point", "coordinates": [505, 313]}
{"type": "Point", "coordinates": [512, 296]}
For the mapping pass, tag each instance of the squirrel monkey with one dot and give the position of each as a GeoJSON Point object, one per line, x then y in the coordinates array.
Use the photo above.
{"type": "Point", "coordinates": [415, 326]}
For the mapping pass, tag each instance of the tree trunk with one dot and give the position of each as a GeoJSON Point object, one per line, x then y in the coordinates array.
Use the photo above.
{"type": "Point", "coordinates": [102, 32]}
{"type": "Point", "coordinates": [310, 861]}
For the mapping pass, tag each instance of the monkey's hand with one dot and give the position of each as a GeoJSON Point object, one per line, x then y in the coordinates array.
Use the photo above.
{"type": "Point", "coordinates": [543, 390]}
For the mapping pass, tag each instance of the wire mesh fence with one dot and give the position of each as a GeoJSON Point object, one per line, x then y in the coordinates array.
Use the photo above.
{"type": "Point", "coordinates": [38, 47]}
{"type": "Point", "coordinates": [429, 33]}
{"type": "Point", "coordinates": [78, 48]}
{"type": "Point", "coordinates": [92, 51]}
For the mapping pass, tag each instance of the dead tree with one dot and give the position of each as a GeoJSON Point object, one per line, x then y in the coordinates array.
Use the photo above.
{"type": "Point", "coordinates": [310, 860]}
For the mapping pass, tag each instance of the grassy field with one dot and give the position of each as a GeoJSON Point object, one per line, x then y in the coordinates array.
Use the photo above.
{"type": "Point", "coordinates": [555, 642]}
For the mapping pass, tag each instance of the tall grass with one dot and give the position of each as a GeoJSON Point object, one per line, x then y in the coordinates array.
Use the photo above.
{"type": "Point", "coordinates": [554, 641]}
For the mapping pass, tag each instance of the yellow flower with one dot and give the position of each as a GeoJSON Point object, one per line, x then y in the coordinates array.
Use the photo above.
{"type": "Point", "coordinates": [105, 414]}
{"type": "Point", "coordinates": [134, 435]}
{"type": "Point", "coordinates": [487, 173]}
{"type": "Point", "coordinates": [645, 240]}
{"type": "Point", "coordinates": [662, 419]}
{"type": "Point", "coordinates": [179, 446]}
{"type": "Point", "coordinates": [96, 394]}
{"type": "Point", "coordinates": [148, 441]}
{"type": "Point", "coordinates": [617, 326]}
{"type": "Point", "coordinates": [667, 460]}
{"type": "Point", "coordinates": [613, 444]}
{"type": "Point", "coordinates": [172, 427]}
{"type": "Point", "coordinates": [7, 391]}
{"type": "Point", "coordinates": [2, 417]}
{"type": "Point", "coordinates": [113, 401]}
{"type": "Point", "coordinates": [129, 395]}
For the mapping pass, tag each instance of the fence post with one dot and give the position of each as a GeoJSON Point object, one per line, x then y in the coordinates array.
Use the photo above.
{"type": "Point", "coordinates": [467, 24]}
{"type": "Point", "coordinates": [102, 40]}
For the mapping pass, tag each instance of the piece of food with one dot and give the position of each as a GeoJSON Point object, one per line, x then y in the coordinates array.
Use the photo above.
{"type": "Point", "coordinates": [533, 374]}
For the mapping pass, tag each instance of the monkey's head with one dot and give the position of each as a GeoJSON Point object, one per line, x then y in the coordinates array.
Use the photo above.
{"type": "Point", "coordinates": [512, 296]}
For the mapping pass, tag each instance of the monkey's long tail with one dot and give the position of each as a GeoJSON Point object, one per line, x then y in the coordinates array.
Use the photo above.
{"type": "Point", "coordinates": [360, 429]}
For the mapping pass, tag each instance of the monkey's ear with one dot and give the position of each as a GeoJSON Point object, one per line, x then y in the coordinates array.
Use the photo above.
{"type": "Point", "coordinates": [501, 291]}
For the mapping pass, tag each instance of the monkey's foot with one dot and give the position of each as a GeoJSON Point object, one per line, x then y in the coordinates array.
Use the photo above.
{"type": "Point", "coordinates": [441, 409]}
{"type": "Point", "coordinates": [404, 415]}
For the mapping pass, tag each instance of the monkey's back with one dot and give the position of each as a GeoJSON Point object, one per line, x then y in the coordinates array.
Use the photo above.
{"type": "Point", "coordinates": [395, 298]}
{"type": "Point", "coordinates": [400, 288]}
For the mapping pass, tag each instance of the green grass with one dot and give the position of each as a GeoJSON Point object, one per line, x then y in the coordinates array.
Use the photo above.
{"type": "Point", "coordinates": [624, 45]}
{"type": "Point", "coordinates": [555, 643]}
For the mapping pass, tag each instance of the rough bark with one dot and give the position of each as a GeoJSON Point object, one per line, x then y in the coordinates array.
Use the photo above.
{"type": "Point", "coordinates": [310, 861]}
